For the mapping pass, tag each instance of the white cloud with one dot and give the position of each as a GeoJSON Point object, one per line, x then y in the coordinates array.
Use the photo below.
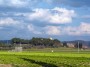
{"type": "Point", "coordinates": [71, 30]}
{"type": "Point", "coordinates": [49, 30]}
{"type": "Point", "coordinates": [39, 14]}
{"type": "Point", "coordinates": [15, 3]}
{"type": "Point", "coordinates": [30, 27]}
{"type": "Point", "coordinates": [8, 22]}
{"type": "Point", "coordinates": [52, 30]}
{"type": "Point", "coordinates": [18, 2]}
{"type": "Point", "coordinates": [33, 29]}
{"type": "Point", "coordinates": [56, 15]}
{"type": "Point", "coordinates": [84, 28]}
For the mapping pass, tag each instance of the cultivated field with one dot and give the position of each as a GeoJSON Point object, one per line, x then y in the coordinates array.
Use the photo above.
{"type": "Point", "coordinates": [45, 58]}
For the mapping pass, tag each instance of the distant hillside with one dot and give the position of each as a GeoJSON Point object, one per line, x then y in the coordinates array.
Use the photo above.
{"type": "Point", "coordinates": [5, 41]}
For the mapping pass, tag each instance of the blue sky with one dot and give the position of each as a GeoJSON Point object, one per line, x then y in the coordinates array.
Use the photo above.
{"type": "Point", "coordinates": [61, 19]}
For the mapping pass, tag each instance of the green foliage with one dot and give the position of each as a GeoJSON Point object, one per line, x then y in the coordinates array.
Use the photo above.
{"type": "Point", "coordinates": [45, 59]}
{"type": "Point", "coordinates": [16, 40]}
{"type": "Point", "coordinates": [36, 41]}
{"type": "Point", "coordinates": [2, 44]}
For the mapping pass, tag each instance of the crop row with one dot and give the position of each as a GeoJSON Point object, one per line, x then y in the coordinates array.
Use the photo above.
{"type": "Point", "coordinates": [17, 60]}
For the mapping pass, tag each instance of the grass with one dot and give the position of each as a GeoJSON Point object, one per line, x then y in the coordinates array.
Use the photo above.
{"type": "Point", "coordinates": [46, 58]}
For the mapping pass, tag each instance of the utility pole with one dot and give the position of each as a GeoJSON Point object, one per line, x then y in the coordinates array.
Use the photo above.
{"type": "Point", "coordinates": [78, 46]}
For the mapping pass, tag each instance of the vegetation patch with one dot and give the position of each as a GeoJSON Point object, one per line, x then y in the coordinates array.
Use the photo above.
{"type": "Point", "coordinates": [5, 65]}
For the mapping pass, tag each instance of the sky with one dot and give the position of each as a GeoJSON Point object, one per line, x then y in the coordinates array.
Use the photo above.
{"type": "Point", "coordinates": [65, 20]}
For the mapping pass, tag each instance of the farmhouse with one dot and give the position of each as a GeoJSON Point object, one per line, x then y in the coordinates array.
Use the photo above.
{"type": "Point", "coordinates": [71, 45]}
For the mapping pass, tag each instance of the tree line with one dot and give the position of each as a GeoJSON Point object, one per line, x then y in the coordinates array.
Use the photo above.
{"type": "Point", "coordinates": [40, 42]}
{"type": "Point", "coordinates": [37, 42]}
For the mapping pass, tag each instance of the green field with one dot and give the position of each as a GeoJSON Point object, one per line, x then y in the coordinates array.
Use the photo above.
{"type": "Point", "coordinates": [46, 58]}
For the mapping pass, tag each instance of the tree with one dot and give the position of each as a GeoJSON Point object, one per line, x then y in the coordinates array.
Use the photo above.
{"type": "Point", "coordinates": [57, 43]}
{"type": "Point", "coordinates": [2, 44]}
{"type": "Point", "coordinates": [36, 41]}
{"type": "Point", "coordinates": [65, 44]}
{"type": "Point", "coordinates": [78, 45]}
{"type": "Point", "coordinates": [15, 40]}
